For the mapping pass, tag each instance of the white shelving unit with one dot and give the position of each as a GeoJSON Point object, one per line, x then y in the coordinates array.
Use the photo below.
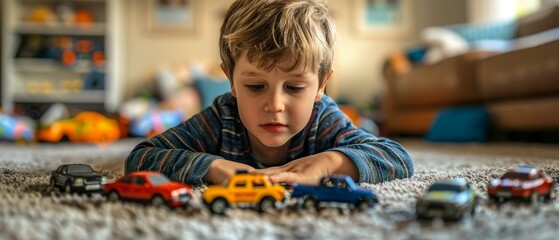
{"type": "Point", "coordinates": [20, 73]}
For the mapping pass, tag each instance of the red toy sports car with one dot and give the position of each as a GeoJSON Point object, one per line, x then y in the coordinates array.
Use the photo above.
{"type": "Point", "coordinates": [148, 187]}
{"type": "Point", "coordinates": [523, 182]}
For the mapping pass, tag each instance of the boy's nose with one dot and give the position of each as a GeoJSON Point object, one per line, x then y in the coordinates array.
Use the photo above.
{"type": "Point", "coordinates": [274, 104]}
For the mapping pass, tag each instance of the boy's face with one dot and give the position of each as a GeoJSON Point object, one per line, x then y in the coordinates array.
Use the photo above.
{"type": "Point", "coordinates": [275, 105]}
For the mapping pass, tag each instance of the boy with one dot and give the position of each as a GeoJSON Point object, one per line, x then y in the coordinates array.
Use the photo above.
{"type": "Point", "coordinates": [277, 55]}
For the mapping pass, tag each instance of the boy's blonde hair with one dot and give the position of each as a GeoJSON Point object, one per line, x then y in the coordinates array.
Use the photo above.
{"type": "Point", "coordinates": [269, 30]}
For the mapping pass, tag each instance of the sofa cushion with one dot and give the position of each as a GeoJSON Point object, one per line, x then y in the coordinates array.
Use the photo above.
{"type": "Point", "coordinates": [472, 33]}
{"type": "Point", "coordinates": [537, 22]}
{"type": "Point", "coordinates": [463, 124]}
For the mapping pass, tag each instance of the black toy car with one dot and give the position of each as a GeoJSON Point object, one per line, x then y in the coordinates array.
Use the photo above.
{"type": "Point", "coordinates": [448, 199]}
{"type": "Point", "coordinates": [78, 178]}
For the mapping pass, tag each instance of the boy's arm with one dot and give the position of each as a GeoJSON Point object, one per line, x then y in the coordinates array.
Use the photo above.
{"type": "Point", "coordinates": [179, 153]}
{"type": "Point", "coordinates": [376, 159]}
{"type": "Point", "coordinates": [187, 152]}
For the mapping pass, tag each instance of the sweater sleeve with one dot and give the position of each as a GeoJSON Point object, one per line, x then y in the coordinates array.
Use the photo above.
{"type": "Point", "coordinates": [183, 153]}
{"type": "Point", "coordinates": [377, 159]}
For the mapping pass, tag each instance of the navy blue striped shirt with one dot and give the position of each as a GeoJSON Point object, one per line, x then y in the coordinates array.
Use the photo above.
{"type": "Point", "coordinates": [184, 153]}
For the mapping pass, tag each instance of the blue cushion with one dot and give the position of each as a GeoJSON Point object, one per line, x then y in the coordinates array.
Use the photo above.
{"type": "Point", "coordinates": [463, 124]}
{"type": "Point", "coordinates": [210, 88]}
{"type": "Point", "coordinates": [500, 30]}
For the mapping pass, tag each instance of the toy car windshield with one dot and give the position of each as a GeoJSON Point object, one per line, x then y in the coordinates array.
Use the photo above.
{"type": "Point", "coordinates": [158, 179]}
{"type": "Point", "coordinates": [446, 187]}
{"type": "Point", "coordinates": [79, 169]}
{"type": "Point", "coordinates": [516, 175]}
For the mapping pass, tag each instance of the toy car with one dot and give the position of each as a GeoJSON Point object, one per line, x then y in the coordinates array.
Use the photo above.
{"type": "Point", "coordinates": [84, 127]}
{"type": "Point", "coordinates": [244, 189]}
{"type": "Point", "coordinates": [335, 188]}
{"type": "Point", "coordinates": [79, 178]}
{"type": "Point", "coordinates": [447, 199]}
{"type": "Point", "coordinates": [18, 129]}
{"type": "Point", "coordinates": [523, 182]}
{"type": "Point", "coordinates": [148, 187]}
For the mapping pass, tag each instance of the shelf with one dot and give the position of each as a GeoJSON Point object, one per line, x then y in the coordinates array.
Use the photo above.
{"type": "Point", "coordinates": [25, 42]}
{"type": "Point", "coordinates": [57, 1]}
{"type": "Point", "coordinates": [86, 96]}
{"type": "Point", "coordinates": [39, 65]}
{"type": "Point", "coordinates": [93, 29]}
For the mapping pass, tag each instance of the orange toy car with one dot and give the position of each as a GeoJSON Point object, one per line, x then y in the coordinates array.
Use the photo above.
{"type": "Point", "coordinates": [84, 127]}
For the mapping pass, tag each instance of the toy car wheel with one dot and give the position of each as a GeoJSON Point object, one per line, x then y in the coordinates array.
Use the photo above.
{"type": "Point", "coordinates": [157, 201]}
{"type": "Point", "coordinates": [364, 205]}
{"type": "Point", "coordinates": [551, 194]}
{"type": "Point", "coordinates": [52, 184]}
{"type": "Point", "coordinates": [266, 204]}
{"type": "Point", "coordinates": [113, 196]}
{"type": "Point", "coordinates": [534, 197]}
{"type": "Point", "coordinates": [67, 188]}
{"type": "Point", "coordinates": [219, 205]}
{"type": "Point", "coordinates": [309, 203]}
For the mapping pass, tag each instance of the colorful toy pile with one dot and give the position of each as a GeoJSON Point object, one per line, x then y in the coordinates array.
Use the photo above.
{"type": "Point", "coordinates": [16, 129]}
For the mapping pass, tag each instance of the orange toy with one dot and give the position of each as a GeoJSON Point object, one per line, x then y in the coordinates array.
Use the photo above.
{"type": "Point", "coordinates": [85, 127]}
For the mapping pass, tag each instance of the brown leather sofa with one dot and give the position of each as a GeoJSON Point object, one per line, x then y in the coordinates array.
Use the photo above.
{"type": "Point", "coordinates": [520, 87]}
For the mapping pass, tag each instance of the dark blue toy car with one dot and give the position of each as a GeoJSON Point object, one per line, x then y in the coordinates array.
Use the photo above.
{"type": "Point", "coordinates": [336, 188]}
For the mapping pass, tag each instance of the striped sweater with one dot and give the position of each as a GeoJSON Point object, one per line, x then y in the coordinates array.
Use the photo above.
{"type": "Point", "coordinates": [184, 153]}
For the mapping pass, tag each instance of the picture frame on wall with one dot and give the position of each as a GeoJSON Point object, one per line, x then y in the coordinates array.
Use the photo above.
{"type": "Point", "coordinates": [172, 16]}
{"type": "Point", "coordinates": [383, 19]}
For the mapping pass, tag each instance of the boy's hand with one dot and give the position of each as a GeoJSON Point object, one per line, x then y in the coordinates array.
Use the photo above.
{"type": "Point", "coordinates": [221, 170]}
{"type": "Point", "coordinates": [309, 170]}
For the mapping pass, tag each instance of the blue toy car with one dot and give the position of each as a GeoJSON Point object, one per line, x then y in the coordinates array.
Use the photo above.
{"type": "Point", "coordinates": [448, 199]}
{"type": "Point", "coordinates": [336, 188]}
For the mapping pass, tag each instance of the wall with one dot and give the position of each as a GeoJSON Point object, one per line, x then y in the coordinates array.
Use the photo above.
{"type": "Point", "coordinates": [358, 59]}
{"type": "Point", "coordinates": [1, 44]}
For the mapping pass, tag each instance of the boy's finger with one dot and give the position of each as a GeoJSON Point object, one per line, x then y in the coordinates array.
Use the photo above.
{"type": "Point", "coordinates": [284, 177]}
{"type": "Point", "coordinates": [270, 170]}
{"type": "Point", "coordinates": [277, 178]}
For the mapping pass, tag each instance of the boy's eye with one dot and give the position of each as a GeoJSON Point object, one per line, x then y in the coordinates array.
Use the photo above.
{"type": "Point", "coordinates": [255, 87]}
{"type": "Point", "coordinates": [294, 88]}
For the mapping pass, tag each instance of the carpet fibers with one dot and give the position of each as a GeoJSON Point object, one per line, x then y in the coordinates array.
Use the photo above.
{"type": "Point", "coordinates": [30, 210]}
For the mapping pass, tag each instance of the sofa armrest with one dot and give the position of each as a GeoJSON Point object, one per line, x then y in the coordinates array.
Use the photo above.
{"type": "Point", "coordinates": [444, 83]}
{"type": "Point", "coordinates": [528, 71]}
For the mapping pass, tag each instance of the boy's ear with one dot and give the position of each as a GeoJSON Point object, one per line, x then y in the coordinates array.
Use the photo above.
{"type": "Point", "coordinates": [229, 78]}
{"type": "Point", "coordinates": [322, 87]}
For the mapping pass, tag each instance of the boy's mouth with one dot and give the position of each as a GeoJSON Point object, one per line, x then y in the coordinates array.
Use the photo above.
{"type": "Point", "coordinates": [274, 127]}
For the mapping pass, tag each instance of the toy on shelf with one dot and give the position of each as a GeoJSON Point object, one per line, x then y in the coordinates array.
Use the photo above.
{"type": "Point", "coordinates": [90, 127]}
{"type": "Point", "coordinates": [18, 129]}
{"type": "Point", "coordinates": [148, 187]}
{"type": "Point", "coordinates": [155, 122]}
{"type": "Point", "coordinates": [334, 189]}
{"type": "Point", "coordinates": [523, 182]}
{"type": "Point", "coordinates": [77, 178]}
{"type": "Point", "coordinates": [147, 118]}
{"type": "Point", "coordinates": [447, 199]}
{"type": "Point", "coordinates": [243, 188]}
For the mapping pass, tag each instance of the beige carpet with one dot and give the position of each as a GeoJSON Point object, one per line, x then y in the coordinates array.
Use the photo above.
{"type": "Point", "coordinates": [29, 210]}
